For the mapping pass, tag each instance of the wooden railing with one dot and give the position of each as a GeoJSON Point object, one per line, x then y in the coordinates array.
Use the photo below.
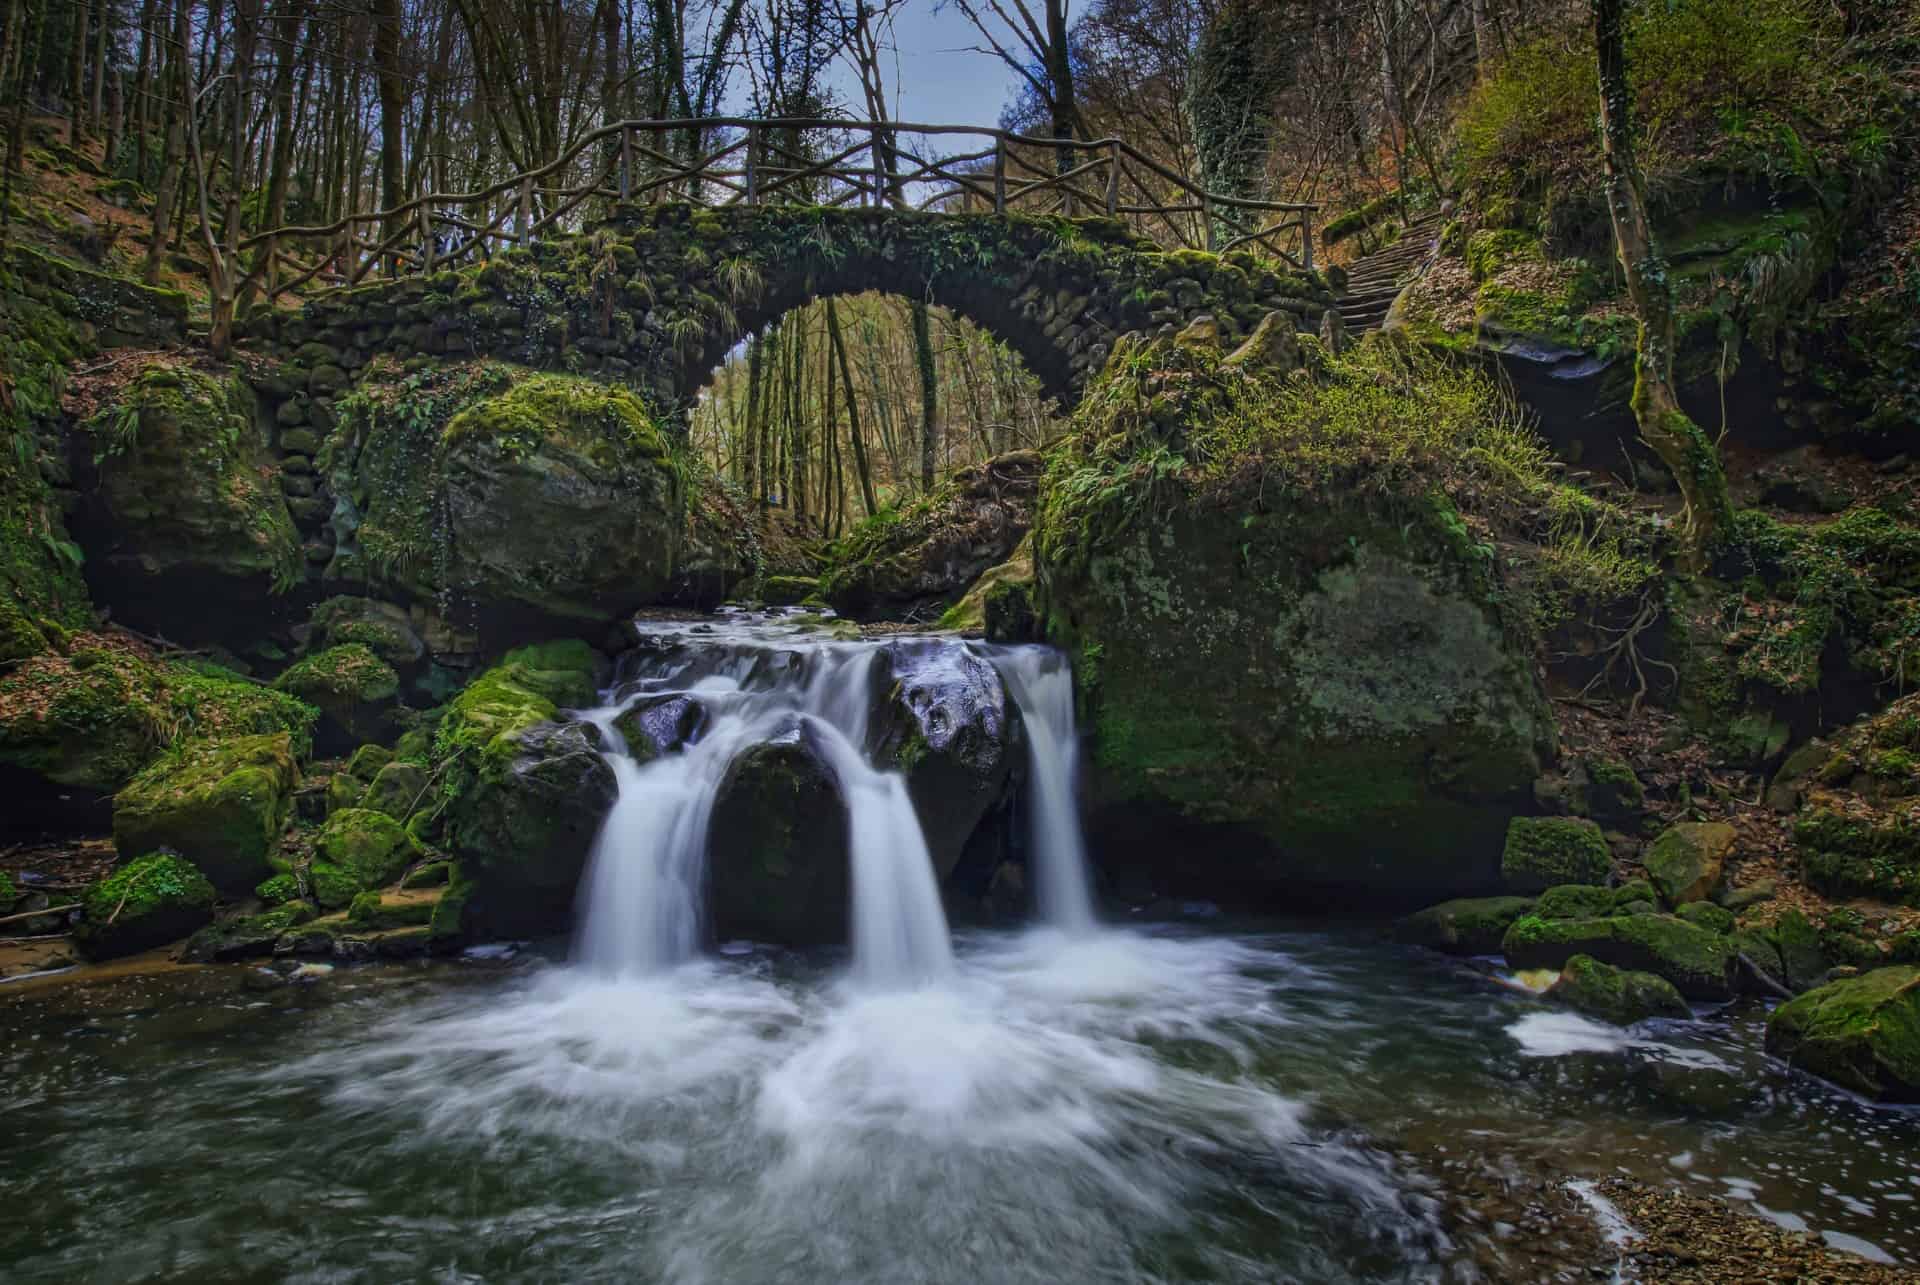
{"type": "Point", "coordinates": [729, 161]}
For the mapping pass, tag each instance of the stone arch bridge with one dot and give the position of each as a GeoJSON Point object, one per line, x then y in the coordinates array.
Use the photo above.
{"type": "Point", "coordinates": [655, 296]}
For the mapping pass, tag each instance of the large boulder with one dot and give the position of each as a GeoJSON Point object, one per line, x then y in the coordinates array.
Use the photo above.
{"type": "Point", "coordinates": [383, 628]}
{"type": "Point", "coordinates": [1863, 1033]}
{"type": "Point", "coordinates": [544, 498]}
{"type": "Point", "coordinates": [184, 527]}
{"type": "Point", "coordinates": [220, 804]}
{"type": "Point", "coordinates": [777, 847]}
{"type": "Point", "coordinates": [1331, 695]}
{"type": "Point", "coordinates": [529, 791]}
{"type": "Point", "coordinates": [946, 722]}
{"type": "Point", "coordinates": [930, 553]}
{"type": "Point", "coordinates": [1699, 963]}
{"type": "Point", "coordinates": [150, 901]}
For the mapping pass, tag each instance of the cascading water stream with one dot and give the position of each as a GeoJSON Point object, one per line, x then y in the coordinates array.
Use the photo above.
{"type": "Point", "coordinates": [1041, 683]}
{"type": "Point", "coordinates": [641, 901]}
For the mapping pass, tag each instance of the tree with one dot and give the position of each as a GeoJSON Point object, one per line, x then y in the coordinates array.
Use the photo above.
{"type": "Point", "coordinates": [1664, 426]}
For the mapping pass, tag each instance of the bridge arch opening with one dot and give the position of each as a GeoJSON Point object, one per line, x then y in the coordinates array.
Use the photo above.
{"type": "Point", "coordinates": [818, 414]}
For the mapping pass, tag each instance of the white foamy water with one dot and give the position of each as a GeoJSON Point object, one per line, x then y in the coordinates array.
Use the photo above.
{"type": "Point", "coordinates": [1041, 682]}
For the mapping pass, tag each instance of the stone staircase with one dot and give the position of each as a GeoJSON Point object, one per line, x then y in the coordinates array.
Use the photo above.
{"type": "Point", "coordinates": [1375, 281]}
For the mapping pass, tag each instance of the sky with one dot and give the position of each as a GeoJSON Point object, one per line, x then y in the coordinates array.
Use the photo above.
{"type": "Point", "coordinates": [940, 79]}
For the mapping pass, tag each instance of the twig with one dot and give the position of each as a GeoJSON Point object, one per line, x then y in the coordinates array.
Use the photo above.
{"type": "Point", "coordinates": [111, 362]}
{"type": "Point", "coordinates": [1759, 975]}
{"type": "Point", "coordinates": [1626, 646]}
{"type": "Point", "coordinates": [24, 915]}
{"type": "Point", "coordinates": [117, 909]}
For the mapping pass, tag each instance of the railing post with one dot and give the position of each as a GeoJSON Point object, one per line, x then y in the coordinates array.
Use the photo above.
{"type": "Point", "coordinates": [1000, 174]}
{"type": "Point", "coordinates": [1206, 217]}
{"type": "Point", "coordinates": [523, 222]}
{"type": "Point", "coordinates": [626, 163]}
{"type": "Point", "coordinates": [1306, 241]}
{"type": "Point", "coordinates": [426, 237]}
{"type": "Point", "coordinates": [880, 193]}
{"type": "Point", "coordinates": [1113, 178]}
{"type": "Point", "coordinates": [753, 170]}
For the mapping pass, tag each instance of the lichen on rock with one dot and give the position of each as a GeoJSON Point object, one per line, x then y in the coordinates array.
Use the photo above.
{"type": "Point", "coordinates": [221, 804]}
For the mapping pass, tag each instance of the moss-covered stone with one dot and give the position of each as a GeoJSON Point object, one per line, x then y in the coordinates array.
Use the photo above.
{"type": "Point", "coordinates": [354, 688]}
{"type": "Point", "coordinates": [186, 490]}
{"type": "Point", "coordinates": [220, 804]}
{"type": "Point", "coordinates": [1802, 958]}
{"type": "Point", "coordinates": [152, 900]}
{"type": "Point", "coordinates": [1704, 914]}
{"type": "Point", "coordinates": [1863, 1033]}
{"type": "Point", "coordinates": [1546, 852]}
{"type": "Point", "coordinates": [344, 790]}
{"type": "Point", "coordinates": [1613, 790]}
{"type": "Point", "coordinates": [367, 761]}
{"type": "Point", "coordinates": [1576, 901]}
{"type": "Point", "coordinates": [449, 923]}
{"type": "Point", "coordinates": [526, 793]}
{"type": "Point", "coordinates": [1699, 963]}
{"type": "Point", "coordinates": [932, 552]}
{"type": "Point", "coordinates": [1615, 995]}
{"type": "Point", "coordinates": [246, 936]}
{"type": "Point", "coordinates": [548, 497]}
{"type": "Point", "coordinates": [279, 889]}
{"type": "Point", "coordinates": [788, 591]}
{"type": "Point", "coordinates": [1687, 860]}
{"type": "Point", "coordinates": [368, 847]}
{"type": "Point", "coordinates": [1846, 855]}
{"type": "Point", "coordinates": [383, 628]}
{"type": "Point", "coordinates": [1464, 926]}
{"type": "Point", "coordinates": [370, 910]}
{"type": "Point", "coordinates": [1000, 602]}
{"type": "Point", "coordinates": [431, 875]}
{"type": "Point", "coordinates": [94, 716]}
{"type": "Point", "coordinates": [396, 790]}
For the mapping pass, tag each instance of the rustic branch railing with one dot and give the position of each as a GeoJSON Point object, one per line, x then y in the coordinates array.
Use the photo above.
{"type": "Point", "coordinates": [744, 161]}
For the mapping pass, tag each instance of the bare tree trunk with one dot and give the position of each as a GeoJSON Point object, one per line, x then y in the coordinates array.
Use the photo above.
{"type": "Point", "coordinates": [179, 100]}
{"type": "Point", "coordinates": [853, 411]}
{"type": "Point", "coordinates": [393, 106]}
{"type": "Point", "coordinates": [1675, 438]}
{"type": "Point", "coordinates": [929, 394]}
{"type": "Point", "coordinates": [77, 77]}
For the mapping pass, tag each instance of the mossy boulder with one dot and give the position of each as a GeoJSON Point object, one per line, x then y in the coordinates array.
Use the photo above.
{"type": "Point", "coordinates": [370, 910]}
{"type": "Point", "coordinates": [150, 901]}
{"type": "Point", "coordinates": [1327, 695]}
{"type": "Point", "coordinates": [1862, 1033]}
{"type": "Point", "coordinates": [1464, 926]}
{"type": "Point", "coordinates": [1687, 861]}
{"type": "Point", "coordinates": [788, 591]}
{"type": "Point", "coordinates": [1576, 901]}
{"type": "Point", "coordinates": [777, 848]}
{"type": "Point", "coordinates": [658, 725]}
{"type": "Point", "coordinates": [396, 790]}
{"type": "Point", "coordinates": [536, 498]}
{"type": "Point", "coordinates": [366, 761]}
{"type": "Point", "coordinates": [358, 849]}
{"type": "Point", "coordinates": [1848, 855]}
{"type": "Point", "coordinates": [1699, 963]}
{"type": "Point", "coordinates": [354, 688]}
{"type": "Point", "coordinates": [932, 552]}
{"type": "Point", "coordinates": [527, 792]}
{"type": "Point", "coordinates": [1000, 603]}
{"type": "Point", "coordinates": [185, 516]}
{"type": "Point", "coordinates": [1614, 995]}
{"type": "Point", "coordinates": [219, 804]}
{"type": "Point", "coordinates": [94, 716]}
{"type": "Point", "coordinates": [1546, 852]}
{"type": "Point", "coordinates": [1704, 914]}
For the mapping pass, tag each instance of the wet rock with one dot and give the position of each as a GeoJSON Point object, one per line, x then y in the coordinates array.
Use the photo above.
{"type": "Point", "coordinates": [949, 726]}
{"type": "Point", "coordinates": [660, 725]}
{"type": "Point", "coordinates": [1575, 901]}
{"type": "Point", "coordinates": [220, 804]}
{"type": "Point", "coordinates": [396, 790]}
{"type": "Point", "coordinates": [1863, 1033]}
{"type": "Point", "coordinates": [1466, 926]}
{"type": "Point", "coordinates": [1700, 964]}
{"type": "Point", "coordinates": [382, 627]}
{"type": "Point", "coordinates": [778, 848]}
{"type": "Point", "coordinates": [246, 936]}
{"type": "Point", "coordinates": [1622, 997]}
{"type": "Point", "coordinates": [1686, 861]}
{"type": "Point", "coordinates": [356, 850]}
{"type": "Point", "coordinates": [352, 687]}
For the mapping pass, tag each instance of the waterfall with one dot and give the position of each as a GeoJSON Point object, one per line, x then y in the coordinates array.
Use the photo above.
{"type": "Point", "coordinates": [641, 902]}
{"type": "Point", "coordinates": [1041, 683]}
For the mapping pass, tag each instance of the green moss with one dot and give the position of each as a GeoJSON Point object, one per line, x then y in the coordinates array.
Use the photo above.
{"type": "Point", "coordinates": [1617, 996]}
{"type": "Point", "coordinates": [348, 674]}
{"type": "Point", "coordinates": [1850, 856]}
{"type": "Point", "coordinates": [1861, 1032]}
{"type": "Point", "coordinates": [149, 901]}
{"type": "Point", "coordinates": [528, 686]}
{"type": "Point", "coordinates": [280, 888]}
{"type": "Point", "coordinates": [1544, 852]}
{"type": "Point", "coordinates": [8, 893]}
{"type": "Point", "coordinates": [1699, 963]}
{"type": "Point", "coordinates": [367, 761]}
{"type": "Point", "coordinates": [1490, 250]}
{"type": "Point", "coordinates": [368, 847]}
{"type": "Point", "coordinates": [221, 804]}
{"type": "Point", "coordinates": [1704, 914]}
{"type": "Point", "coordinates": [370, 911]}
{"type": "Point", "coordinates": [1687, 860]}
{"type": "Point", "coordinates": [1575, 901]}
{"type": "Point", "coordinates": [449, 921]}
